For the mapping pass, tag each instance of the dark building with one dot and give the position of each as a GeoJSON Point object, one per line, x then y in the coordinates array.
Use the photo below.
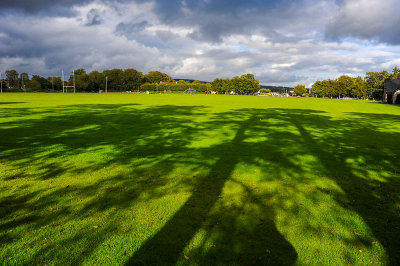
{"type": "Point", "coordinates": [391, 91]}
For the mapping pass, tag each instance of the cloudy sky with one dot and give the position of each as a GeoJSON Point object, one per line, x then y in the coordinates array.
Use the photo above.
{"type": "Point", "coordinates": [282, 42]}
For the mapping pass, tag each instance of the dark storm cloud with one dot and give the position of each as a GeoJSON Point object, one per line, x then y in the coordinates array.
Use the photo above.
{"type": "Point", "coordinates": [93, 18]}
{"type": "Point", "coordinates": [214, 19]}
{"type": "Point", "coordinates": [174, 10]}
{"type": "Point", "coordinates": [372, 20]}
{"type": "Point", "coordinates": [18, 43]}
{"type": "Point", "coordinates": [131, 27]}
{"type": "Point", "coordinates": [280, 77]}
{"type": "Point", "coordinates": [33, 5]}
{"type": "Point", "coordinates": [166, 36]}
{"type": "Point", "coordinates": [280, 41]}
{"type": "Point", "coordinates": [211, 20]}
{"type": "Point", "coordinates": [50, 7]}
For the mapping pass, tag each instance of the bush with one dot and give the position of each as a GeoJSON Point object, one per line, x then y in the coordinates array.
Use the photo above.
{"type": "Point", "coordinates": [262, 91]}
{"type": "Point", "coordinates": [149, 87]}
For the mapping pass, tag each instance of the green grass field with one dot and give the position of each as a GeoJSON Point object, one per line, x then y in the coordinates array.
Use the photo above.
{"type": "Point", "coordinates": [198, 179]}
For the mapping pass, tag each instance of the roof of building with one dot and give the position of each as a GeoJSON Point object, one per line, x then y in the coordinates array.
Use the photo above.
{"type": "Point", "coordinates": [391, 85]}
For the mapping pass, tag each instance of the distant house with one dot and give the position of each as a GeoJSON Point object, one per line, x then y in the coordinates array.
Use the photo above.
{"type": "Point", "coordinates": [391, 91]}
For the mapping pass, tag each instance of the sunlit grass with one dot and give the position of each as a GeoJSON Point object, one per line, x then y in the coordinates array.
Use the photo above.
{"type": "Point", "coordinates": [198, 179]}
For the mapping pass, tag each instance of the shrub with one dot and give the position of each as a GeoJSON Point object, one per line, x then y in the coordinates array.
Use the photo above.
{"type": "Point", "coordinates": [262, 91]}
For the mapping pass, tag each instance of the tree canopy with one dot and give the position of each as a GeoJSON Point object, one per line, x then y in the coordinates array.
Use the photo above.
{"type": "Point", "coordinates": [300, 90]}
{"type": "Point", "coordinates": [157, 77]}
{"type": "Point", "coordinates": [245, 84]}
{"type": "Point", "coordinates": [131, 79]}
{"type": "Point", "coordinates": [345, 86]}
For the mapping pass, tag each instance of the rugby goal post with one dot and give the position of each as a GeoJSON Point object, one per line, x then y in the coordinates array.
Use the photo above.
{"type": "Point", "coordinates": [65, 88]}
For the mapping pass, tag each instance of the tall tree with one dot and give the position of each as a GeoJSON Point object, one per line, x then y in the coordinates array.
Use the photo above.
{"type": "Point", "coordinates": [34, 85]}
{"type": "Point", "coordinates": [114, 79]}
{"type": "Point", "coordinates": [81, 79]}
{"type": "Point", "coordinates": [375, 81]}
{"type": "Point", "coordinates": [96, 81]}
{"type": "Point", "coordinates": [56, 83]}
{"type": "Point", "coordinates": [24, 76]}
{"type": "Point", "coordinates": [248, 76]}
{"type": "Point", "coordinates": [45, 84]}
{"type": "Point", "coordinates": [326, 88]}
{"type": "Point", "coordinates": [23, 79]}
{"type": "Point", "coordinates": [12, 78]}
{"type": "Point", "coordinates": [317, 88]}
{"type": "Point", "coordinates": [80, 71]}
{"type": "Point", "coordinates": [220, 84]}
{"type": "Point", "coordinates": [157, 77]}
{"type": "Point", "coordinates": [249, 85]}
{"type": "Point", "coordinates": [300, 89]}
{"type": "Point", "coordinates": [359, 88]}
{"type": "Point", "coordinates": [396, 73]}
{"type": "Point", "coordinates": [343, 85]}
{"type": "Point", "coordinates": [132, 79]}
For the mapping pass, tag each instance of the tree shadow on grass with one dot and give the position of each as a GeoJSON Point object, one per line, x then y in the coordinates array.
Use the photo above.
{"type": "Point", "coordinates": [153, 143]}
{"type": "Point", "coordinates": [332, 142]}
{"type": "Point", "coordinates": [362, 161]}
{"type": "Point", "coordinates": [47, 144]}
{"type": "Point", "coordinates": [267, 245]}
{"type": "Point", "coordinates": [161, 135]}
{"type": "Point", "coordinates": [1, 103]}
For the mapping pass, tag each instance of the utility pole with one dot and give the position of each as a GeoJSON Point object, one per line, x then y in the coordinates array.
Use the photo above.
{"type": "Point", "coordinates": [22, 83]}
{"type": "Point", "coordinates": [63, 79]}
{"type": "Point", "coordinates": [52, 84]}
{"type": "Point", "coordinates": [106, 84]}
{"type": "Point", "coordinates": [1, 81]}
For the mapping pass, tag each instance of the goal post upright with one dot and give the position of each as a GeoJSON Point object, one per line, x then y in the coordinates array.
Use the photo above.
{"type": "Point", "coordinates": [63, 84]}
{"type": "Point", "coordinates": [73, 77]}
{"type": "Point", "coordinates": [65, 88]}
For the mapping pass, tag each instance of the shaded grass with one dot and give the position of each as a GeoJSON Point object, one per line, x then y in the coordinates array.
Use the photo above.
{"type": "Point", "coordinates": [150, 179]}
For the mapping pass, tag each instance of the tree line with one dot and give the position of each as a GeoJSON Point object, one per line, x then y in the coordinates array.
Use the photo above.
{"type": "Point", "coordinates": [130, 79]}
{"type": "Point", "coordinates": [155, 81]}
{"type": "Point", "coordinates": [371, 87]}
{"type": "Point", "coordinates": [245, 84]}
{"type": "Point", "coordinates": [176, 86]}
{"type": "Point", "coordinates": [114, 80]}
